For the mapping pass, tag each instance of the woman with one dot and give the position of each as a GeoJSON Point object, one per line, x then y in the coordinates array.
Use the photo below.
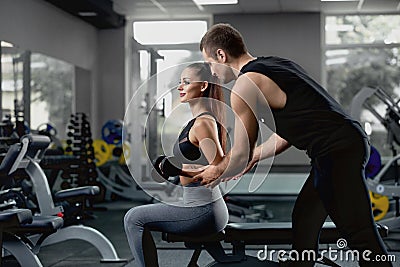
{"type": "Point", "coordinates": [202, 142]}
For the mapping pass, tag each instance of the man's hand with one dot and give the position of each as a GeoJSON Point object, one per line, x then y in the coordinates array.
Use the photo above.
{"type": "Point", "coordinates": [209, 177]}
{"type": "Point", "coordinates": [249, 166]}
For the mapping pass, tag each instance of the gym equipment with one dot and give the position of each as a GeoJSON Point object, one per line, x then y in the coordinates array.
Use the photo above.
{"type": "Point", "coordinates": [17, 231]}
{"type": "Point", "coordinates": [47, 129]}
{"type": "Point", "coordinates": [379, 184]}
{"type": "Point", "coordinates": [157, 174]}
{"type": "Point", "coordinates": [80, 145]}
{"type": "Point", "coordinates": [380, 205]}
{"type": "Point", "coordinates": [126, 154]}
{"type": "Point", "coordinates": [6, 126]}
{"type": "Point", "coordinates": [102, 152]}
{"type": "Point", "coordinates": [117, 180]}
{"type": "Point", "coordinates": [239, 235]}
{"type": "Point", "coordinates": [16, 238]}
{"type": "Point", "coordinates": [244, 209]}
{"type": "Point", "coordinates": [171, 166]}
{"type": "Point", "coordinates": [13, 219]}
{"type": "Point", "coordinates": [374, 163]}
{"type": "Point", "coordinates": [14, 195]}
{"type": "Point", "coordinates": [111, 132]}
{"type": "Point", "coordinates": [28, 158]}
{"type": "Point", "coordinates": [165, 167]}
{"type": "Point", "coordinates": [76, 208]}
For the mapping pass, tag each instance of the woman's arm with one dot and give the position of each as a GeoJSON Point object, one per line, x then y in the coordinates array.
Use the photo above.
{"type": "Point", "coordinates": [204, 134]}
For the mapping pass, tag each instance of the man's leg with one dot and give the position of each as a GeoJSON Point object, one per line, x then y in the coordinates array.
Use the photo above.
{"type": "Point", "coordinates": [345, 196]}
{"type": "Point", "coordinates": [308, 217]}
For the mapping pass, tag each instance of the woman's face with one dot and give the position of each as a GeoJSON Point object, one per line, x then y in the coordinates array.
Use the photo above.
{"type": "Point", "coordinates": [190, 85]}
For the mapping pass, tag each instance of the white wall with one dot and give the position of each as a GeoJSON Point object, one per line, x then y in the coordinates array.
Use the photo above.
{"type": "Point", "coordinates": [293, 36]}
{"type": "Point", "coordinates": [41, 27]}
{"type": "Point", "coordinates": [98, 55]}
{"type": "Point", "coordinates": [111, 93]}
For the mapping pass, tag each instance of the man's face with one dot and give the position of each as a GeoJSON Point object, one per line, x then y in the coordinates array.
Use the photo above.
{"type": "Point", "coordinates": [219, 68]}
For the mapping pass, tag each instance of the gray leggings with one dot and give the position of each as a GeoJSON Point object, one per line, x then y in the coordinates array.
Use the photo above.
{"type": "Point", "coordinates": [188, 220]}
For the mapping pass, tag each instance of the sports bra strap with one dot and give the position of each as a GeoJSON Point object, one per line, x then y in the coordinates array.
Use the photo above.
{"type": "Point", "coordinates": [208, 113]}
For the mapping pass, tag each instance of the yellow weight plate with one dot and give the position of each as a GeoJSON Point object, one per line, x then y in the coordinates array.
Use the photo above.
{"type": "Point", "coordinates": [102, 152]}
{"type": "Point", "coordinates": [380, 205]}
{"type": "Point", "coordinates": [126, 153]}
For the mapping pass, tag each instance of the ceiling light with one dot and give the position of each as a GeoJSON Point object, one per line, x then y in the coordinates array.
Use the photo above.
{"type": "Point", "coordinates": [168, 32]}
{"type": "Point", "coordinates": [338, 52]}
{"type": "Point", "coordinates": [215, 2]}
{"type": "Point", "coordinates": [6, 44]}
{"type": "Point", "coordinates": [339, 28]}
{"type": "Point", "coordinates": [340, 0]}
{"type": "Point", "coordinates": [335, 61]}
{"type": "Point", "coordinates": [87, 14]}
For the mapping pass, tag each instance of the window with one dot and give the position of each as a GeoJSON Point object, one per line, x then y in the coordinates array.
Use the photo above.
{"type": "Point", "coordinates": [170, 44]}
{"type": "Point", "coordinates": [362, 29]}
{"type": "Point", "coordinates": [363, 51]}
{"type": "Point", "coordinates": [51, 92]}
{"type": "Point", "coordinates": [168, 32]}
{"type": "Point", "coordinates": [46, 98]}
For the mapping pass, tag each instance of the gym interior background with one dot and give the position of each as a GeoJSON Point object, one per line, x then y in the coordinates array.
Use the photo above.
{"type": "Point", "coordinates": [70, 69]}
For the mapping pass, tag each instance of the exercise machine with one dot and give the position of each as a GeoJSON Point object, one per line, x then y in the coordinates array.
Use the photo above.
{"type": "Point", "coordinates": [386, 180]}
{"type": "Point", "coordinates": [28, 158]}
{"type": "Point", "coordinates": [17, 225]}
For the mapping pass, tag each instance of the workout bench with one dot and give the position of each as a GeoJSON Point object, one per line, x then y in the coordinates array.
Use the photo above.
{"type": "Point", "coordinates": [28, 156]}
{"type": "Point", "coordinates": [241, 234]}
{"type": "Point", "coordinates": [18, 224]}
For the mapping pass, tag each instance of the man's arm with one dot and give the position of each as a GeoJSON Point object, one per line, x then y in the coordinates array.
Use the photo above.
{"type": "Point", "coordinates": [272, 147]}
{"type": "Point", "coordinates": [244, 103]}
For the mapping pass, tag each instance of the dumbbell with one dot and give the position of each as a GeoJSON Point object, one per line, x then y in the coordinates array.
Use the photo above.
{"type": "Point", "coordinates": [165, 167]}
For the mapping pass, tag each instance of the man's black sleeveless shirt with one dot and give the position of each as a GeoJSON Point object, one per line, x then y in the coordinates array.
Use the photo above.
{"type": "Point", "coordinates": [311, 119]}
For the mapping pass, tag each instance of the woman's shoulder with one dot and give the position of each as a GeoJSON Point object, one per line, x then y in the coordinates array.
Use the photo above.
{"type": "Point", "coordinates": [206, 119]}
{"type": "Point", "coordinates": [204, 124]}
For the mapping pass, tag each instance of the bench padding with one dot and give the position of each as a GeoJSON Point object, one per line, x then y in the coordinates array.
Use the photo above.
{"type": "Point", "coordinates": [262, 233]}
{"type": "Point", "coordinates": [15, 217]}
{"type": "Point", "coordinates": [77, 192]}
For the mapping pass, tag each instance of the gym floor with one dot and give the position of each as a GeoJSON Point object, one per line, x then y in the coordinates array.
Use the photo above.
{"type": "Point", "coordinates": [110, 223]}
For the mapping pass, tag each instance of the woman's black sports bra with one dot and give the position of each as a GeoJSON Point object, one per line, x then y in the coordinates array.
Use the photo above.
{"type": "Point", "coordinates": [187, 152]}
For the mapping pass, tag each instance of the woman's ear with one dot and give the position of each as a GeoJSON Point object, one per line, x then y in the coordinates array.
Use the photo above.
{"type": "Point", "coordinates": [204, 86]}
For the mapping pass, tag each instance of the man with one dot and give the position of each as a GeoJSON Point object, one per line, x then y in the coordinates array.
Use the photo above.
{"type": "Point", "coordinates": [307, 118]}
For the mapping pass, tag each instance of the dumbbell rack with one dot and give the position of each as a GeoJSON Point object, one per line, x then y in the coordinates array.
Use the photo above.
{"type": "Point", "coordinates": [79, 144]}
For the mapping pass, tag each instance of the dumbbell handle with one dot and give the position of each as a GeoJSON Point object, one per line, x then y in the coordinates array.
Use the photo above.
{"type": "Point", "coordinates": [171, 166]}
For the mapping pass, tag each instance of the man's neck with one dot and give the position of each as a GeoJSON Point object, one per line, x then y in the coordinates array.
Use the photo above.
{"type": "Point", "coordinates": [238, 63]}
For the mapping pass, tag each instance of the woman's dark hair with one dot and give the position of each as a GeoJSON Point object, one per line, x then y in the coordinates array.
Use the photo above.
{"type": "Point", "coordinates": [214, 91]}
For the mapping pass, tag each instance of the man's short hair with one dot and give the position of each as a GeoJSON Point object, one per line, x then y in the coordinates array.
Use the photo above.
{"type": "Point", "coordinates": [225, 37]}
